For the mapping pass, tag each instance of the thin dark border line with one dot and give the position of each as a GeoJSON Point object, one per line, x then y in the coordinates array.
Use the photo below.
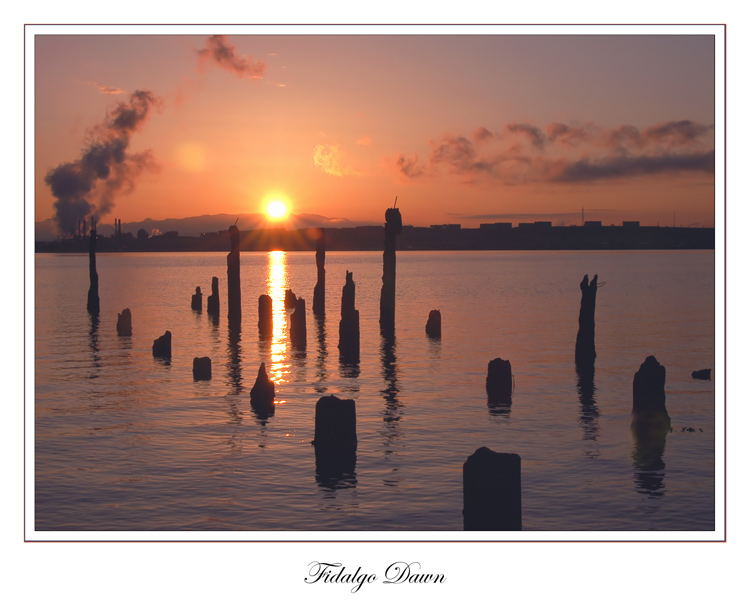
{"type": "Point", "coordinates": [723, 25]}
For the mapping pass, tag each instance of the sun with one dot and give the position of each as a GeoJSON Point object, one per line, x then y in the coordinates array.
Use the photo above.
{"type": "Point", "coordinates": [276, 209]}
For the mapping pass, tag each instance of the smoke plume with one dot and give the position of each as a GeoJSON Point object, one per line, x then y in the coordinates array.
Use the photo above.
{"type": "Point", "coordinates": [89, 185]}
{"type": "Point", "coordinates": [222, 52]}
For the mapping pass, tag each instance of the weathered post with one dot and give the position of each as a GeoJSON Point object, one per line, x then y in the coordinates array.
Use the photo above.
{"type": "Point", "coordinates": [196, 302]}
{"type": "Point", "coordinates": [388, 291]}
{"type": "Point", "coordinates": [298, 325]}
{"type": "Point", "coordinates": [585, 345]}
{"type": "Point", "coordinates": [201, 368]}
{"type": "Point", "coordinates": [335, 438]}
{"type": "Point", "coordinates": [234, 296]}
{"type": "Point", "coordinates": [212, 304]}
{"type": "Point", "coordinates": [162, 346]}
{"type": "Point", "coordinates": [262, 394]}
{"type": "Point", "coordinates": [499, 381]}
{"type": "Point", "coordinates": [349, 324]}
{"type": "Point", "coordinates": [335, 424]}
{"type": "Point", "coordinates": [701, 374]}
{"type": "Point", "coordinates": [319, 293]}
{"type": "Point", "coordinates": [434, 327]}
{"type": "Point", "coordinates": [648, 388]}
{"type": "Point", "coordinates": [92, 304]}
{"type": "Point", "coordinates": [290, 300]}
{"type": "Point", "coordinates": [265, 316]}
{"type": "Point", "coordinates": [124, 323]}
{"type": "Point", "coordinates": [492, 491]}
{"type": "Point", "coordinates": [651, 422]}
{"type": "Point", "coordinates": [650, 425]}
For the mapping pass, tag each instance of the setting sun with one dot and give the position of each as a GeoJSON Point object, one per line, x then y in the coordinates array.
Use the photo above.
{"type": "Point", "coordinates": [276, 210]}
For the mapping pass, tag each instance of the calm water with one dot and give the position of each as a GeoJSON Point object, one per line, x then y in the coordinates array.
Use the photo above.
{"type": "Point", "coordinates": [127, 442]}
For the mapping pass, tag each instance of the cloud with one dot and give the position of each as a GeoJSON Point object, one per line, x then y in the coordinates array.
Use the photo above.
{"type": "Point", "coordinates": [676, 133]}
{"type": "Point", "coordinates": [90, 184]}
{"type": "Point", "coordinates": [481, 134]}
{"type": "Point", "coordinates": [586, 170]}
{"type": "Point", "coordinates": [534, 135]}
{"type": "Point", "coordinates": [411, 168]}
{"type": "Point", "coordinates": [108, 89]}
{"type": "Point", "coordinates": [330, 159]}
{"type": "Point", "coordinates": [567, 135]}
{"type": "Point", "coordinates": [563, 153]}
{"type": "Point", "coordinates": [223, 53]}
{"type": "Point", "coordinates": [364, 141]}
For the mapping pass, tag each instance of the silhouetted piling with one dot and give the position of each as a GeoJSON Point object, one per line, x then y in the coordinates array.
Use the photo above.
{"type": "Point", "coordinates": [319, 293]}
{"type": "Point", "coordinates": [585, 346]}
{"type": "Point", "coordinates": [212, 304]}
{"type": "Point", "coordinates": [388, 291]}
{"type": "Point", "coordinates": [202, 368]}
{"type": "Point", "coordinates": [163, 346]}
{"type": "Point", "coordinates": [92, 304]}
{"type": "Point", "coordinates": [290, 300]}
{"type": "Point", "coordinates": [124, 323]}
{"type": "Point", "coordinates": [298, 325]}
{"type": "Point", "coordinates": [433, 327]}
{"type": "Point", "coordinates": [265, 316]}
{"type": "Point", "coordinates": [349, 324]}
{"type": "Point", "coordinates": [701, 374]}
{"type": "Point", "coordinates": [651, 421]}
{"type": "Point", "coordinates": [492, 491]}
{"type": "Point", "coordinates": [196, 302]}
{"type": "Point", "coordinates": [262, 394]}
{"type": "Point", "coordinates": [234, 296]}
{"type": "Point", "coordinates": [648, 387]}
{"type": "Point", "coordinates": [335, 424]}
{"type": "Point", "coordinates": [335, 438]}
{"type": "Point", "coordinates": [499, 382]}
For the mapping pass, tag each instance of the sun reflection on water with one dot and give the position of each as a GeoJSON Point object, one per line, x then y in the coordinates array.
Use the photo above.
{"type": "Point", "coordinates": [277, 283]}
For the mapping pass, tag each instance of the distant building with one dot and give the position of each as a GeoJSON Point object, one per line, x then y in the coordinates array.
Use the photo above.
{"type": "Point", "coordinates": [631, 223]}
{"type": "Point", "coordinates": [542, 224]}
{"type": "Point", "coordinates": [446, 227]}
{"type": "Point", "coordinates": [592, 223]}
{"type": "Point", "coordinates": [496, 226]}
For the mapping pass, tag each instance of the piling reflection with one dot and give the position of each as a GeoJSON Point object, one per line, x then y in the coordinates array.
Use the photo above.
{"type": "Point", "coordinates": [393, 406]}
{"type": "Point", "coordinates": [234, 361]}
{"type": "Point", "coordinates": [649, 441]}
{"type": "Point", "coordinates": [335, 472]}
{"type": "Point", "coordinates": [320, 361]}
{"type": "Point", "coordinates": [589, 417]}
{"type": "Point", "coordinates": [94, 344]}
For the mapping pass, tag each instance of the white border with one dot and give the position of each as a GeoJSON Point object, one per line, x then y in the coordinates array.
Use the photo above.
{"type": "Point", "coordinates": [397, 536]}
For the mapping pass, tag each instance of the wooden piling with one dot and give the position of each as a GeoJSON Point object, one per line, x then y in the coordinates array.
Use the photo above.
{"type": "Point", "coordinates": [492, 491]}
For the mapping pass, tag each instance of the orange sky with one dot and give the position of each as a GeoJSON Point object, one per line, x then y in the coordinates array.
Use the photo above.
{"type": "Point", "coordinates": [464, 129]}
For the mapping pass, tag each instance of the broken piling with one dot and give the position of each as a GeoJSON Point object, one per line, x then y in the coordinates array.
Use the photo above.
{"type": "Point", "coordinates": [319, 293]}
{"type": "Point", "coordinates": [234, 296]}
{"type": "Point", "coordinates": [388, 291]}
{"type": "Point", "coordinates": [492, 491]}
{"type": "Point", "coordinates": [349, 324]}
{"type": "Point", "coordinates": [92, 305]}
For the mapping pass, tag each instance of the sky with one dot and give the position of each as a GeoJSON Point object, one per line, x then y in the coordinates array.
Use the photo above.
{"type": "Point", "coordinates": [464, 129]}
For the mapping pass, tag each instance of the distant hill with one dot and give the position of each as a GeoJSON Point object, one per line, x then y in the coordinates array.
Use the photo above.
{"type": "Point", "coordinates": [195, 225]}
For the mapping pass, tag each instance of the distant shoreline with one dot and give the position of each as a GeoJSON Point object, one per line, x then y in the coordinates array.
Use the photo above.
{"type": "Point", "coordinates": [501, 236]}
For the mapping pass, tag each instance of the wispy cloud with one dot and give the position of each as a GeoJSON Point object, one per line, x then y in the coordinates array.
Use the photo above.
{"type": "Point", "coordinates": [108, 89]}
{"type": "Point", "coordinates": [330, 159]}
{"type": "Point", "coordinates": [525, 153]}
{"type": "Point", "coordinates": [223, 53]}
